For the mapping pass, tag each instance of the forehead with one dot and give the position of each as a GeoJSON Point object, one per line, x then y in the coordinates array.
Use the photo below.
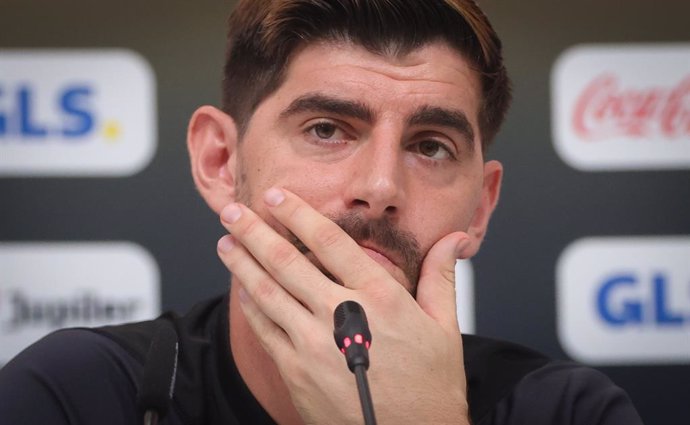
{"type": "Point", "coordinates": [433, 75]}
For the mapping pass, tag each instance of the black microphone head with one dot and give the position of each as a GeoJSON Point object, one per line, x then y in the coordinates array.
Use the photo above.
{"type": "Point", "coordinates": [351, 333]}
{"type": "Point", "coordinates": [344, 310]}
{"type": "Point", "coordinates": [158, 380]}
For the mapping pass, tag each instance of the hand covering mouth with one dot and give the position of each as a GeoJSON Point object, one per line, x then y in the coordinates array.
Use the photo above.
{"type": "Point", "coordinates": [380, 238]}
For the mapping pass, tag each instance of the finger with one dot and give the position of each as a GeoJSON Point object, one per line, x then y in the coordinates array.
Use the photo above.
{"type": "Point", "coordinates": [271, 336]}
{"type": "Point", "coordinates": [334, 248]}
{"type": "Point", "coordinates": [272, 299]}
{"type": "Point", "coordinates": [281, 259]}
{"type": "Point", "coordinates": [436, 289]}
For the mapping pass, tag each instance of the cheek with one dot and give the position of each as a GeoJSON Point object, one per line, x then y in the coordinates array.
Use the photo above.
{"type": "Point", "coordinates": [317, 184]}
{"type": "Point", "coordinates": [433, 218]}
{"type": "Point", "coordinates": [318, 189]}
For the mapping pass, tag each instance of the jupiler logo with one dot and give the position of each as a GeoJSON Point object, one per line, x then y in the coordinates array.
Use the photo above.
{"type": "Point", "coordinates": [27, 310]}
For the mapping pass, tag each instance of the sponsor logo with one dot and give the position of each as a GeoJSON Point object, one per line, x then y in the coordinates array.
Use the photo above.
{"type": "Point", "coordinates": [625, 300]}
{"type": "Point", "coordinates": [47, 286]}
{"type": "Point", "coordinates": [607, 109]}
{"type": "Point", "coordinates": [622, 107]}
{"type": "Point", "coordinates": [75, 113]}
{"type": "Point", "coordinates": [464, 295]}
{"type": "Point", "coordinates": [28, 310]}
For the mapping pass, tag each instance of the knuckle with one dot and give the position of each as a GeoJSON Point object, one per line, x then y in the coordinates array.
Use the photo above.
{"type": "Point", "coordinates": [324, 285]}
{"type": "Point", "coordinates": [266, 289]}
{"type": "Point", "coordinates": [326, 308]}
{"type": "Point", "coordinates": [299, 377]}
{"type": "Point", "coordinates": [384, 300]}
{"type": "Point", "coordinates": [448, 275]}
{"type": "Point", "coordinates": [295, 373]}
{"type": "Point", "coordinates": [251, 227]}
{"type": "Point", "coordinates": [328, 236]}
{"type": "Point", "coordinates": [321, 350]}
{"type": "Point", "coordinates": [295, 212]}
{"type": "Point", "coordinates": [283, 255]}
{"type": "Point", "coordinates": [381, 294]}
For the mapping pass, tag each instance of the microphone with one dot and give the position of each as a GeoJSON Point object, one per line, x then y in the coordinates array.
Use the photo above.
{"type": "Point", "coordinates": [352, 335]}
{"type": "Point", "coordinates": [158, 381]}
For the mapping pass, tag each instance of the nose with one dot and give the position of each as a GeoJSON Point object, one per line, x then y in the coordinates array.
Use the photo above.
{"type": "Point", "coordinates": [376, 188]}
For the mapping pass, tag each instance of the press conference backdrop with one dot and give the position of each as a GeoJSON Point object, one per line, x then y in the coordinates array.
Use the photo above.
{"type": "Point", "coordinates": [588, 254]}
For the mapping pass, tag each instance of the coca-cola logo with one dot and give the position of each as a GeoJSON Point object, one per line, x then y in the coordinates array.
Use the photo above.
{"type": "Point", "coordinates": [622, 106]}
{"type": "Point", "coordinates": [607, 108]}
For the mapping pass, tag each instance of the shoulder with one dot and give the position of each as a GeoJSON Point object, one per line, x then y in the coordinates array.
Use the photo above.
{"type": "Point", "coordinates": [493, 369]}
{"type": "Point", "coordinates": [70, 376]}
{"type": "Point", "coordinates": [567, 393]}
{"type": "Point", "coordinates": [518, 385]}
{"type": "Point", "coordinates": [84, 376]}
{"type": "Point", "coordinates": [69, 351]}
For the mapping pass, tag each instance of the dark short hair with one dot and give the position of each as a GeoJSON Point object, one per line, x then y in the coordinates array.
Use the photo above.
{"type": "Point", "coordinates": [264, 34]}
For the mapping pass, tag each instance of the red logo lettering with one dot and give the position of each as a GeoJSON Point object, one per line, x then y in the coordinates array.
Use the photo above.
{"type": "Point", "coordinates": [605, 109]}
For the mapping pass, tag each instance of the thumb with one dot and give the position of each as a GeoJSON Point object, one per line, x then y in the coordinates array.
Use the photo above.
{"type": "Point", "coordinates": [436, 288]}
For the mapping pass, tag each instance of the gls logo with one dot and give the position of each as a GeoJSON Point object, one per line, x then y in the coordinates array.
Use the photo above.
{"type": "Point", "coordinates": [75, 113]}
{"type": "Point", "coordinates": [625, 300]}
{"type": "Point", "coordinates": [74, 109]}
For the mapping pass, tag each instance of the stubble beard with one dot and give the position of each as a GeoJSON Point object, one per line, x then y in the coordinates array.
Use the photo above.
{"type": "Point", "coordinates": [382, 232]}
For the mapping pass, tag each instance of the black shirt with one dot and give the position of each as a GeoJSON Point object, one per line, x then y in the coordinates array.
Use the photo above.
{"type": "Point", "coordinates": [91, 376]}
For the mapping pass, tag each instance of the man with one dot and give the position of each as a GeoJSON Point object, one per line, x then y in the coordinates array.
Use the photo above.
{"type": "Point", "coordinates": [347, 164]}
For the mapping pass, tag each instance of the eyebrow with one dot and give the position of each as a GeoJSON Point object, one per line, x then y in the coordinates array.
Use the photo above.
{"type": "Point", "coordinates": [443, 117]}
{"type": "Point", "coordinates": [321, 103]}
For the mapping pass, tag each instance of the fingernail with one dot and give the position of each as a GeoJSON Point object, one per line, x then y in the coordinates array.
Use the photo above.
{"type": "Point", "coordinates": [274, 197]}
{"type": "Point", "coordinates": [226, 243]}
{"type": "Point", "coordinates": [460, 247]}
{"type": "Point", "coordinates": [231, 213]}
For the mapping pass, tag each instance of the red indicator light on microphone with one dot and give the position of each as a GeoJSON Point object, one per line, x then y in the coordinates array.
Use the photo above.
{"type": "Point", "coordinates": [351, 333]}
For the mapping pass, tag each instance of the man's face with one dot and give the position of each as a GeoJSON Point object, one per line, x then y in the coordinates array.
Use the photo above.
{"type": "Point", "coordinates": [389, 148]}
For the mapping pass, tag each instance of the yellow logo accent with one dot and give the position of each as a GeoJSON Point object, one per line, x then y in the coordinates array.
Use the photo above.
{"type": "Point", "coordinates": [111, 131]}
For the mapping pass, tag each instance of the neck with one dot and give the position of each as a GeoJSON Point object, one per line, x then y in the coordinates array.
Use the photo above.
{"type": "Point", "coordinates": [257, 368]}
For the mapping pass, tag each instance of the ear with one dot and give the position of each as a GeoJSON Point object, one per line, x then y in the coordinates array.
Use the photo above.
{"type": "Point", "coordinates": [491, 188]}
{"type": "Point", "coordinates": [212, 143]}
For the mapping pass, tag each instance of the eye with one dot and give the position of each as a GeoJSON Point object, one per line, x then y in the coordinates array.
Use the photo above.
{"type": "Point", "coordinates": [434, 150]}
{"type": "Point", "coordinates": [328, 132]}
{"type": "Point", "coordinates": [324, 130]}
